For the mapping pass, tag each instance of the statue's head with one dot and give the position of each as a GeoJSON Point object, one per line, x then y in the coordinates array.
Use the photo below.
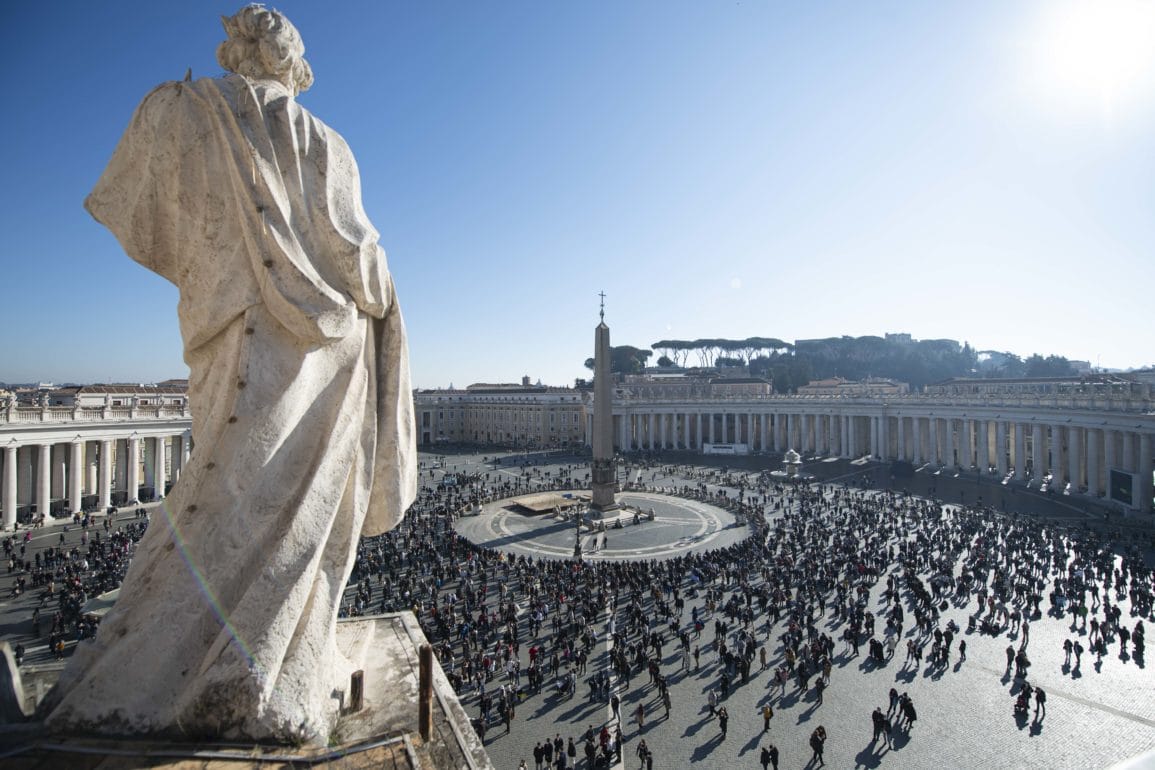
{"type": "Point", "coordinates": [264, 45]}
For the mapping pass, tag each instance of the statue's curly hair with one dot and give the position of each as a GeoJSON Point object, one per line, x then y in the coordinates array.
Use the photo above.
{"type": "Point", "coordinates": [262, 44]}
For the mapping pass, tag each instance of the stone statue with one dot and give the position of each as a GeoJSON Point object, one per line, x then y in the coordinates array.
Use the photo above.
{"type": "Point", "coordinates": [302, 408]}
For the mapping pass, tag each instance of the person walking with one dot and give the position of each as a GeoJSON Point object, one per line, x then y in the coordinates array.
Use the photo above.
{"type": "Point", "coordinates": [723, 720]}
{"type": "Point", "coordinates": [769, 756]}
{"type": "Point", "coordinates": [879, 721]}
{"type": "Point", "coordinates": [767, 715]}
{"type": "Point", "coordinates": [640, 715]}
{"type": "Point", "coordinates": [817, 744]}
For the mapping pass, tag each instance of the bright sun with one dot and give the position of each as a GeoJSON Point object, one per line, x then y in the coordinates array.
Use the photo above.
{"type": "Point", "coordinates": [1095, 53]}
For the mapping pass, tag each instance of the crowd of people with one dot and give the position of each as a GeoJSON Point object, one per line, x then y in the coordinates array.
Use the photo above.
{"type": "Point", "coordinates": [820, 565]}
{"type": "Point", "coordinates": [509, 628]}
{"type": "Point", "coordinates": [60, 579]}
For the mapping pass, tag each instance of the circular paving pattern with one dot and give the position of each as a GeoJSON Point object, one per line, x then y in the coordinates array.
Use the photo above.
{"type": "Point", "coordinates": [680, 527]}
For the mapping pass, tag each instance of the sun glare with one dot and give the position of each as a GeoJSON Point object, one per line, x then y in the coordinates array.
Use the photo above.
{"type": "Point", "coordinates": [1096, 54]}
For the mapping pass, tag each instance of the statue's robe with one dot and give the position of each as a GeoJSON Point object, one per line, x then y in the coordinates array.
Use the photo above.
{"type": "Point", "coordinates": [302, 419]}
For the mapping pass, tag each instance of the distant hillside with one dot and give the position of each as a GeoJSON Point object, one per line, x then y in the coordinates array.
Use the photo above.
{"type": "Point", "coordinates": [895, 356]}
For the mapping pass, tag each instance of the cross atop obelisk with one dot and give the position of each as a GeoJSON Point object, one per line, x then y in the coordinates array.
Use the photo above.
{"type": "Point", "coordinates": [602, 312]}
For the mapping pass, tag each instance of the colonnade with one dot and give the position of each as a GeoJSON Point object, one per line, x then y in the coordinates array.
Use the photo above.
{"type": "Point", "coordinates": [42, 475]}
{"type": "Point", "coordinates": [1093, 455]}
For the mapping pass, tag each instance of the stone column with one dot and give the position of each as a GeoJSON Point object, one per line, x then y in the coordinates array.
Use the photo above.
{"type": "Point", "coordinates": [132, 477]}
{"type": "Point", "coordinates": [790, 432]}
{"type": "Point", "coordinates": [160, 478]}
{"type": "Point", "coordinates": [120, 464]}
{"type": "Point", "coordinates": [1128, 456]}
{"type": "Point", "coordinates": [93, 468]}
{"type": "Point", "coordinates": [1020, 450]}
{"type": "Point", "coordinates": [1109, 460]}
{"type": "Point", "coordinates": [884, 438]}
{"type": "Point", "coordinates": [106, 459]}
{"type": "Point", "coordinates": [148, 450]}
{"type": "Point", "coordinates": [1075, 457]}
{"type": "Point", "coordinates": [916, 438]}
{"type": "Point", "coordinates": [1001, 450]}
{"type": "Point", "coordinates": [933, 454]}
{"type": "Point", "coordinates": [76, 476]}
{"type": "Point", "coordinates": [44, 480]}
{"type": "Point", "coordinates": [983, 444]}
{"type": "Point", "coordinates": [851, 437]}
{"type": "Point", "coordinates": [1038, 456]}
{"type": "Point", "coordinates": [1057, 456]}
{"type": "Point", "coordinates": [10, 487]}
{"type": "Point", "coordinates": [59, 472]}
{"type": "Point", "coordinates": [26, 474]}
{"type": "Point", "coordinates": [968, 443]}
{"type": "Point", "coordinates": [1094, 467]}
{"type": "Point", "coordinates": [1145, 481]}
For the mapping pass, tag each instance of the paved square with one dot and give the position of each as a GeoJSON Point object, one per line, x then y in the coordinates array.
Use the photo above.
{"type": "Point", "coordinates": [1096, 714]}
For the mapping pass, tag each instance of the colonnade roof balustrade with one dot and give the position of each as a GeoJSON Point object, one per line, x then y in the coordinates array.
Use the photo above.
{"type": "Point", "coordinates": [56, 414]}
{"type": "Point", "coordinates": [1119, 403]}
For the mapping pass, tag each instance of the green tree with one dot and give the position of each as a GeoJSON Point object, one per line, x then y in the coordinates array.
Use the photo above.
{"type": "Point", "coordinates": [1051, 366]}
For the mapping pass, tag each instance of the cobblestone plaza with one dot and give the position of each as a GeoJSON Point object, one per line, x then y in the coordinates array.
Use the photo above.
{"type": "Point", "coordinates": [1097, 714]}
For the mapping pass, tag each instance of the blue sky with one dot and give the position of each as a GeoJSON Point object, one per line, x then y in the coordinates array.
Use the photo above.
{"type": "Point", "coordinates": [792, 170]}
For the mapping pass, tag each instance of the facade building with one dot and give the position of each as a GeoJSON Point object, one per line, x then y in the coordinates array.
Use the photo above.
{"type": "Point", "coordinates": [1139, 375]}
{"type": "Point", "coordinates": [71, 449]}
{"type": "Point", "coordinates": [504, 414]}
{"type": "Point", "coordinates": [1089, 436]}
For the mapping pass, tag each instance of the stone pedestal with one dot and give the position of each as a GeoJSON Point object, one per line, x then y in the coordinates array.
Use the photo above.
{"type": "Point", "coordinates": [384, 733]}
{"type": "Point", "coordinates": [603, 477]}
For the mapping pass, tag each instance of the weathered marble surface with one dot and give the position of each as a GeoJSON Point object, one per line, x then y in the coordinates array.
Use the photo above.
{"type": "Point", "coordinates": [302, 408]}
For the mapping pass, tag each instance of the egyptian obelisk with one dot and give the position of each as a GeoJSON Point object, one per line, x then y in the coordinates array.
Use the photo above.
{"type": "Point", "coordinates": [603, 473]}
